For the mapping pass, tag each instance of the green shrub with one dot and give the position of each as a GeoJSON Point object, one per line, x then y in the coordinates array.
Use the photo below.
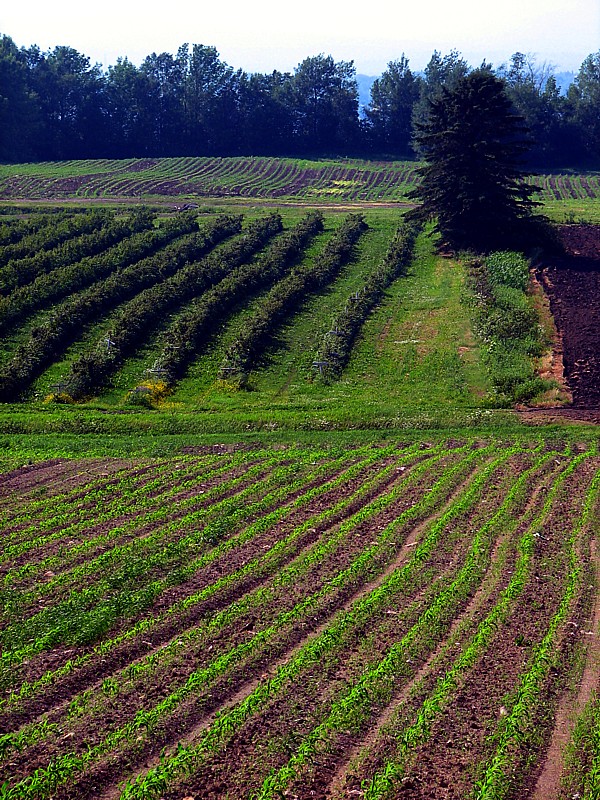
{"type": "Point", "coordinates": [506, 268]}
{"type": "Point", "coordinates": [507, 324]}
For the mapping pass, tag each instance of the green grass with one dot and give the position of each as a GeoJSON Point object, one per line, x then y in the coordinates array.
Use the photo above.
{"type": "Point", "coordinates": [570, 211]}
{"type": "Point", "coordinates": [415, 366]}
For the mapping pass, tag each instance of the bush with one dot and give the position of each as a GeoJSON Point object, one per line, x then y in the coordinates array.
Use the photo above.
{"type": "Point", "coordinates": [508, 326]}
{"type": "Point", "coordinates": [506, 268]}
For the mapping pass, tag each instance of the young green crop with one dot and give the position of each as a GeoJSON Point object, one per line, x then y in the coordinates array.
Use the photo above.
{"type": "Point", "coordinates": [383, 782]}
{"type": "Point", "coordinates": [197, 680]}
{"type": "Point", "coordinates": [377, 685]}
{"type": "Point", "coordinates": [366, 457]}
{"type": "Point", "coordinates": [311, 653]}
{"type": "Point", "coordinates": [517, 729]}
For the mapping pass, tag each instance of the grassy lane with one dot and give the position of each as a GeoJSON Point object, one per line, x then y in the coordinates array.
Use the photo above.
{"type": "Point", "coordinates": [419, 344]}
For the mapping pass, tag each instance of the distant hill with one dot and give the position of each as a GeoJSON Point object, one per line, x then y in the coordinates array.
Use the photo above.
{"type": "Point", "coordinates": [364, 90]}
{"type": "Point", "coordinates": [563, 79]}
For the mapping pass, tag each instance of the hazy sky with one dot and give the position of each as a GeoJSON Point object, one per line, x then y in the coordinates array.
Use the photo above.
{"type": "Point", "coordinates": [262, 35]}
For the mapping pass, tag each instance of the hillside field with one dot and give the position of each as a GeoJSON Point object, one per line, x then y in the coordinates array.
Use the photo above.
{"type": "Point", "coordinates": [270, 524]}
{"type": "Point", "coordinates": [566, 195]}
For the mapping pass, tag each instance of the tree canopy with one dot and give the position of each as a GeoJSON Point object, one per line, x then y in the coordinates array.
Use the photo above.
{"type": "Point", "coordinates": [58, 105]}
{"type": "Point", "coordinates": [473, 141]}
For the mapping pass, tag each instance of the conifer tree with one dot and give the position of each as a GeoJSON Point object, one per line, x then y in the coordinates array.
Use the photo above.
{"type": "Point", "coordinates": [471, 182]}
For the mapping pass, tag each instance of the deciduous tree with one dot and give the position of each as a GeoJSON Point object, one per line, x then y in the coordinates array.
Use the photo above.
{"type": "Point", "coordinates": [389, 114]}
{"type": "Point", "coordinates": [325, 97]}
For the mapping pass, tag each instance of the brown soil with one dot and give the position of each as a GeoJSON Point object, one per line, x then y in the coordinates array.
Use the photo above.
{"type": "Point", "coordinates": [462, 626]}
{"type": "Point", "coordinates": [572, 704]}
{"type": "Point", "coordinates": [572, 282]}
{"type": "Point", "coordinates": [53, 477]}
{"type": "Point", "coordinates": [182, 644]}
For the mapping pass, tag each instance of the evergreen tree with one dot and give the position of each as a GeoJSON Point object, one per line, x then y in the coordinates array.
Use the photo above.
{"type": "Point", "coordinates": [471, 182]}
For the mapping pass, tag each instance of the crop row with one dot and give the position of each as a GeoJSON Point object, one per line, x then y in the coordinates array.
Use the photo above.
{"type": "Point", "coordinates": [337, 342]}
{"type": "Point", "coordinates": [204, 177]}
{"type": "Point", "coordinates": [250, 177]}
{"type": "Point", "coordinates": [23, 271]}
{"type": "Point", "coordinates": [256, 177]}
{"type": "Point", "coordinates": [344, 472]}
{"type": "Point", "coordinates": [148, 308]}
{"type": "Point", "coordinates": [139, 724]}
{"type": "Point", "coordinates": [583, 762]}
{"type": "Point", "coordinates": [364, 620]}
{"type": "Point", "coordinates": [158, 287]}
{"type": "Point", "coordinates": [123, 242]}
{"type": "Point", "coordinates": [353, 709]}
{"type": "Point", "coordinates": [13, 230]}
{"type": "Point", "coordinates": [567, 187]}
{"type": "Point", "coordinates": [34, 530]}
{"type": "Point", "coordinates": [66, 320]}
{"type": "Point", "coordinates": [56, 231]}
{"type": "Point", "coordinates": [286, 294]}
{"type": "Point", "coordinates": [157, 658]}
{"type": "Point", "coordinates": [448, 685]}
{"type": "Point", "coordinates": [170, 538]}
{"type": "Point", "coordinates": [328, 644]}
{"type": "Point", "coordinates": [186, 335]}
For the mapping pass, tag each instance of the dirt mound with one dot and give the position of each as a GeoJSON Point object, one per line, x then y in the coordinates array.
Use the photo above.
{"type": "Point", "coordinates": [572, 282]}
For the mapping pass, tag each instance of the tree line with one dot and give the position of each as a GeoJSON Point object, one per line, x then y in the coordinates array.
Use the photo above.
{"type": "Point", "coordinates": [56, 105]}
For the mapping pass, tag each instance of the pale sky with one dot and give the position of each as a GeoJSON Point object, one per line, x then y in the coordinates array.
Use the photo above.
{"type": "Point", "coordinates": [263, 35]}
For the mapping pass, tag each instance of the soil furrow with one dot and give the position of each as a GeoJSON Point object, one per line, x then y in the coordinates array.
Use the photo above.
{"type": "Point", "coordinates": [460, 740]}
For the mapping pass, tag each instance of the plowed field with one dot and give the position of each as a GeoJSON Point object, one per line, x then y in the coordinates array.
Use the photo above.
{"type": "Point", "coordinates": [383, 621]}
{"type": "Point", "coordinates": [573, 285]}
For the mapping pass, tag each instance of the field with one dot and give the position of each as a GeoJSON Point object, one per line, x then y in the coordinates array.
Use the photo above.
{"type": "Point", "coordinates": [299, 622]}
{"type": "Point", "coordinates": [257, 319]}
{"type": "Point", "coordinates": [573, 286]}
{"type": "Point", "coordinates": [567, 196]}
{"type": "Point", "coordinates": [270, 526]}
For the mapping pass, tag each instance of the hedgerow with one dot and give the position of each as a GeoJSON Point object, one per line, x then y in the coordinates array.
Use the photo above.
{"type": "Point", "coordinates": [62, 227]}
{"type": "Point", "coordinates": [337, 342]}
{"type": "Point", "coordinates": [184, 338]}
{"type": "Point", "coordinates": [507, 325]}
{"type": "Point", "coordinates": [64, 324]}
